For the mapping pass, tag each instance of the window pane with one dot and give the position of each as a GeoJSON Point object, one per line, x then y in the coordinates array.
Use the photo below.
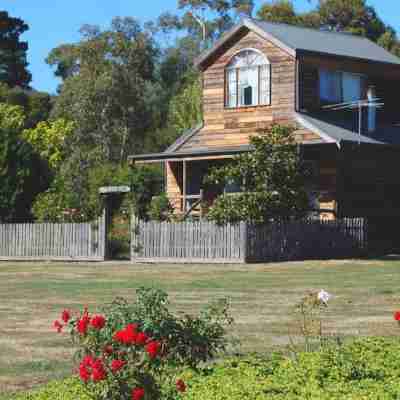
{"type": "Point", "coordinates": [265, 90]}
{"type": "Point", "coordinates": [330, 86]}
{"type": "Point", "coordinates": [248, 86]}
{"type": "Point", "coordinates": [351, 87]}
{"type": "Point", "coordinates": [232, 87]}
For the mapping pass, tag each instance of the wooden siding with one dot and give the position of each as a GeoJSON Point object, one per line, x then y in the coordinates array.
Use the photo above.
{"type": "Point", "coordinates": [174, 184]}
{"type": "Point", "coordinates": [227, 127]}
{"type": "Point", "coordinates": [368, 182]}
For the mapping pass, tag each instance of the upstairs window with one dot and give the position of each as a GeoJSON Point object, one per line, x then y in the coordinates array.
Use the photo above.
{"type": "Point", "coordinates": [248, 80]}
{"type": "Point", "coordinates": [340, 87]}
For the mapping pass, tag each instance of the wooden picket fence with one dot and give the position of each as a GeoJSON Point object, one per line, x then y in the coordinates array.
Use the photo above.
{"type": "Point", "coordinates": [54, 241]}
{"type": "Point", "coordinates": [203, 241]}
{"type": "Point", "coordinates": [197, 241]}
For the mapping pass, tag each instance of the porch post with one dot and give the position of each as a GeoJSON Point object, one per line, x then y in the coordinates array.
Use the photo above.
{"type": "Point", "coordinates": [184, 187]}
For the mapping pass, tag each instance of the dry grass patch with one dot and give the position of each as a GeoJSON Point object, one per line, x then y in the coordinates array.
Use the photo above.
{"type": "Point", "coordinates": [262, 297]}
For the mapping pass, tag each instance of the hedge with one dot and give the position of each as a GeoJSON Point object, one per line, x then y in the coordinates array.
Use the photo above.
{"type": "Point", "coordinates": [364, 369]}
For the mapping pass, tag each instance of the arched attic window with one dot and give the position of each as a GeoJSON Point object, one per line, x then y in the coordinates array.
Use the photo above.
{"type": "Point", "coordinates": [248, 80]}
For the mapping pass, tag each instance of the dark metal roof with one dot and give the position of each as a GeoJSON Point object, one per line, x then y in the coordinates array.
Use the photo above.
{"type": "Point", "coordinates": [295, 39]}
{"type": "Point", "coordinates": [345, 128]}
{"type": "Point", "coordinates": [328, 42]}
{"type": "Point", "coordinates": [194, 153]}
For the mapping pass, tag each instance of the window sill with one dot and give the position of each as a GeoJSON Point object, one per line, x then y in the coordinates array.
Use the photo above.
{"type": "Point", "coordinates": [246, 107]}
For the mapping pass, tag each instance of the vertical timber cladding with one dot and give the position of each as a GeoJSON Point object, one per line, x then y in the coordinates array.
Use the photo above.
{"type": "Point", "coordinates": [369, 181]}
{"type": "Point", "coordinates": [228, 127]}
{"type": "Point", "coordinates": [325, 177]}
{"type": "Point", "coordinates": [174, 183]}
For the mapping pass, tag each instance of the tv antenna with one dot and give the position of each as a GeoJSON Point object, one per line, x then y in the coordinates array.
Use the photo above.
{"type": "Point", "coordinates": [371, 102]}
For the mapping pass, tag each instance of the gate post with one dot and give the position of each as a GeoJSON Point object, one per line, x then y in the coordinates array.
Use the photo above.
{"type": "Point", "coordinates": [111, 195]}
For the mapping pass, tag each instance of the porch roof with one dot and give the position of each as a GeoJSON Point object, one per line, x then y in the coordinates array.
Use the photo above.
{"type": "Point", "coordinates": [198, 154]}
{"type": "Point", "coordinates": [206, 154]}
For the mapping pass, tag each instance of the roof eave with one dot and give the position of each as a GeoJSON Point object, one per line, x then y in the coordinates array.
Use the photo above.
{"type": "Point", "coordinates": [302, 52]}
{"type": "Point", "coordinates": [250, 25]}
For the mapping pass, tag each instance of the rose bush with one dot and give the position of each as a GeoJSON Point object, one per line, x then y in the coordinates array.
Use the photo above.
{"type": "Point", "coordinates": [136, 352]}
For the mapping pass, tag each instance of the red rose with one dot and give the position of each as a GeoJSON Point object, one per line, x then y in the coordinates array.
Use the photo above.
{"type": "Point", "coordinates": [98, 322]}
{"type": "Point", "coordinates": [65, 316]}
{"type": "Point", "coordinates": [58, 326]}
{"type": "Point", "coordinates": [141, 338]}
{"type": "Point", "coordinates": [108, 350]}
{"type": "Point", "coordinates": [137, 394]}
{"type": "Point", "coordinates": [180, 386]}
{"type": "Point", "coordinates": [153, 348]}
{"type": "Point", "coordinates": [116, 365]}
{"type": "Point", "coordinates": [84, 373]}
{"type": "Point", "coordinates": [83, 324]}
{"type": "Point", "coordinates": [126, 336]}
{"type": "Point", "coordinates": [397, 316]}
{"type": "Point", "coordinates": [98, 371]}
{"type": "Point", "coordinates": [87, 361]}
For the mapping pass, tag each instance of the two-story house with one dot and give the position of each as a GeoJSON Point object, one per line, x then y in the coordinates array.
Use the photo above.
{"type": "Point", "coordinates": [262, 73]}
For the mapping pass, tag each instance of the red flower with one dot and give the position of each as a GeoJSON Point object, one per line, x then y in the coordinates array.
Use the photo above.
{"type": "Point", "coordinates": [83, 323]}
{"type": "Point", "coordinates": [87, 361]}
{"type": "Point", "coordinates": [180, 386]}
{"type": "Point", "coordinates": [98, 322]}
{"type": "Point", "coordinates": [137, 394]}
{"type": "Point", "coordinates": [84, 373]}
{"type": "Point", "coordinates": [141, 338]}
{"type": "Point", "coordinates": [126, 336]}
{"type": "Point", "coordinates": [108, 350]}
{"type": "Point", "coordinates": [85, 368]}
{"type": "Point", "coordinates": [58, 326]}
{"type": "Point", "coordinates": [65, 316]}
{"type": "Point", "coordinates": [98, 371]}
{"type": "Point", "coordinates": [92, 368]}
{"type": "Point", "coordinates": [153, 348]}
{"type": "Point", "coordinates": [116, 365]}
{"type": "Point", "coordinates": [397, 316]}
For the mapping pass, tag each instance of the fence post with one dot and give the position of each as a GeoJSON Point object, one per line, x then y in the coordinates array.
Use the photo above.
{"type": "Point", "coordinates": [135, 245]}
{"type": "Point", "coordinates": [244, 240]}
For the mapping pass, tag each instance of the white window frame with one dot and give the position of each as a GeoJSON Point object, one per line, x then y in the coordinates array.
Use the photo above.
{"type": "Point", "coordinates": [234, 95]}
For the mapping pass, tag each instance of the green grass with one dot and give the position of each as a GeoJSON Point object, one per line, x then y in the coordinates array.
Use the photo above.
{"type": "Point", "coordinates": [262, 296]}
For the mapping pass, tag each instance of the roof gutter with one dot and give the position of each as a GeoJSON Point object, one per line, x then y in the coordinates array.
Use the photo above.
{"type": "Point", "coordinates": [316, 130]}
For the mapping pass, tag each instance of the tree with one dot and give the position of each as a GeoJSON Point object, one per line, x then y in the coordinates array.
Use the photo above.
{"type": "Point", "coordinates": [49, 140]}
{"type": "Point", "coordinates": [281, 11]}
{"type": "Point", "coordinates": [36, 105]}
{"type": "Point", "coordinates": [185, 107]}
{"type": "Point", "coordinates": [13, 64]}
{"type": "Point", "coordinates": [106, 94]}
{"type": "Point", "coordinates": [271, 178]}
{"type": "Point", "coordinates": [22, 175]}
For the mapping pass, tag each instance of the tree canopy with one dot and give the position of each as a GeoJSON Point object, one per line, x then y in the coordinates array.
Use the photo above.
{"type": "Point", "coordinates": [13, 63]}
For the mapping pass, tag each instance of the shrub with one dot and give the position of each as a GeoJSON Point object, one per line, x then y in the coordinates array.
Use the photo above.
{"type": "Point", "coordinates": [160, 208]}
{"type": "Point", "coordinates": [363, 369]}
{"type": "Point", "coordinates": [135, 351]}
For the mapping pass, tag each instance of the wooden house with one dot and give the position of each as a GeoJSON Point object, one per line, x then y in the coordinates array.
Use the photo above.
{"type": "Point", "coordinates": [262, 73]}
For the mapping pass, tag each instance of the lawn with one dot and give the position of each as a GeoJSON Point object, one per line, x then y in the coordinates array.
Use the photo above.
{"type": "Point", "coordinates": [262, 296]}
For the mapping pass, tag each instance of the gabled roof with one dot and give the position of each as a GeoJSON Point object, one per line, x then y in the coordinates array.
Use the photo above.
{"type": "Point", "coordinates": [295, 40]}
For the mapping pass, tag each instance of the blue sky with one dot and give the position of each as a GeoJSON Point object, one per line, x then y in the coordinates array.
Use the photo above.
{"type": "Point", "coordinates": [54, 22]}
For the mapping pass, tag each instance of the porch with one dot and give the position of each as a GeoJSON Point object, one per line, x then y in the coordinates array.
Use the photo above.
{"type": "Point", "coordinates": [185, 174]}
